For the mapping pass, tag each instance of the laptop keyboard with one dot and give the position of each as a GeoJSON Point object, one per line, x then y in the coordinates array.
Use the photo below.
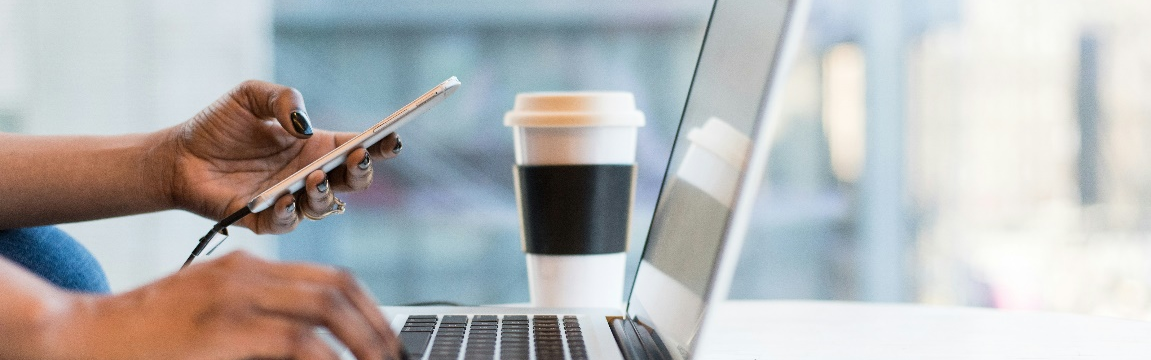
{"type": "Point", "coordinates": [507, 337]}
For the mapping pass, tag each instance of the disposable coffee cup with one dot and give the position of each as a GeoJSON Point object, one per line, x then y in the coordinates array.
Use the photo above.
{"type": "Point", "coordinates": [575, 184]}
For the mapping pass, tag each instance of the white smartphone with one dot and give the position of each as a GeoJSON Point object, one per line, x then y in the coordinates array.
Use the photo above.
{"type": "Point", "coordinates": [374, 134]}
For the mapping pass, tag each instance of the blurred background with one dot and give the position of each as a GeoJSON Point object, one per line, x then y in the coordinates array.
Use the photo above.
{"type": "Point", "coordinates": [959, 152]}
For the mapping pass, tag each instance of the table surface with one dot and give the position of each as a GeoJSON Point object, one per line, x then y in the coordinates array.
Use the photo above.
{"type": "Point", "coordinates": [845, 330]}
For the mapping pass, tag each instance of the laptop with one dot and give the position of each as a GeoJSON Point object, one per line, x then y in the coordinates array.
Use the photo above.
{"type": "Point", "coordinates": [700, 220]}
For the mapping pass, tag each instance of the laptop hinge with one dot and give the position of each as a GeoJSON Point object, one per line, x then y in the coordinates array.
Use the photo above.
{"type": "Point", "coordinates": [638, 342]}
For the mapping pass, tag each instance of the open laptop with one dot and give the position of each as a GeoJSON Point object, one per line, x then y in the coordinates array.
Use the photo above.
{"type": "Point", "coordinates": [700, 219]}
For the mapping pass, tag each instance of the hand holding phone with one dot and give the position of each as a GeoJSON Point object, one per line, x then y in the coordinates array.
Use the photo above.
{"type": "Point", "coordinates": [334, 158]}
{"type": "Point", "coordinates": [329, 161]}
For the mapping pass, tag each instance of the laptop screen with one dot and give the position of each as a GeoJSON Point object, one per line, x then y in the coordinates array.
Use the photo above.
{"type": "Point", "coordinates": [702, 184]}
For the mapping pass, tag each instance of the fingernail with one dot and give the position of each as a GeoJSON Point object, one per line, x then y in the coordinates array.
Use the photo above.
{"type": "Point", "coordinates": [291, 208]}
{"type": "Point", "coordinates": [399, 146]}
{"type": "Point", "coordinates": [322, 187]}
{"type": "Point", "coordinates": [301, 123]}
{"type": "Point", "coordinates": [365, 163]}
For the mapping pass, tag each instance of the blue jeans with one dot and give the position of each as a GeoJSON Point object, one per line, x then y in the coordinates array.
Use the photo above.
{"type": "Point", "coordinates": [55, 256]}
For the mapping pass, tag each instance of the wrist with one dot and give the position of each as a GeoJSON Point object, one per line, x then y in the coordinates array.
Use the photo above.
{"type": "Point", "coordinates": [159, 168]}
{"type": "Point", "coordinates": [44, 328]}
{"type": "Point", "coordinates": [94, 327]}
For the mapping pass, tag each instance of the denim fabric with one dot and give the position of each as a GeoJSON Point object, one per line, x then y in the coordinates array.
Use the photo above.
{"type": "Point", "coordinates": [55, 256]}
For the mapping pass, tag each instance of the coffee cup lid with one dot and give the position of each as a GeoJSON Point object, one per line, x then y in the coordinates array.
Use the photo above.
{"type": "Point", "coordinates": [574, 109]}
{"type": "Point", "coordinates": [720, 138]}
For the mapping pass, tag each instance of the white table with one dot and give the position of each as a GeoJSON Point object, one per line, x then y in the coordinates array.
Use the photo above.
{"type": "Point", "coordinates": [844, 330]}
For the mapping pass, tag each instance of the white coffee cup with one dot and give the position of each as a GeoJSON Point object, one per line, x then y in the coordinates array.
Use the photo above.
{"type": "Point", "coordinates": [575, 184]}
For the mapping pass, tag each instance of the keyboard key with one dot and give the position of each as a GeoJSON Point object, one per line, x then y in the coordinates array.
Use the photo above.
{"type": "Point", "coordinates": [454, 319]}
{"type": "Point", "coordinates": [415, 342]}
{"type": "Point", "coordinates": [481, 345]}
{"type": "Point", "coordinates": [418, 328]}
{"type": "Point", "coordinates": [485, 318]}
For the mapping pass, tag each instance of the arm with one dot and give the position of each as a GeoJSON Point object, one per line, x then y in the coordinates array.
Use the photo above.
{"type": "Point", "coordinates": [210, 165]}
{"type": "Point", "coordinates": [56, 179]}
{"type": "Point", "coordinates": [234, 307]}
{"type": "Point", "coordinates": [33, 311]}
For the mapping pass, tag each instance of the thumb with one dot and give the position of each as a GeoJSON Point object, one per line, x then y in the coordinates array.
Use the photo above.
{"type": "Point", "coordinates": [267, 100]}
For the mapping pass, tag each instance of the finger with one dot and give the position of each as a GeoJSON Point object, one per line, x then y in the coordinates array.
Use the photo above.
{"type": "Point", "coordinates": [319, 198]}
{"type": "Point", "coordinates": [318, 303]}
{"type": "Point", "coordinates": [387, 148]}
{"type": "Point", "coordinates": [355, 174]}
{"type": "Point", "coordinates": [311, 347]}
{"type": "Point", "coordinates": [281, 218]}
{"type": "Point", "coordinates": [285, 104]}
{"type": "Point", "coordinates": [279, 337]}
{"type": "Point", "coordinates": [268, 337]}
{"type": "Point", "coordinates": [344, 280]}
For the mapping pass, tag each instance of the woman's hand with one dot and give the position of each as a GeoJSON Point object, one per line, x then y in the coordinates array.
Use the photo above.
{"type": "Point", "coordinates": [250, 139]}
{"type": "Point", "coordinates": [233, 307]}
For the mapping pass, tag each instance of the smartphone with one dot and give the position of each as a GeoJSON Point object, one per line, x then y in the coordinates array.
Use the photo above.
{"type": "Point", "coordinates": [372, 135]}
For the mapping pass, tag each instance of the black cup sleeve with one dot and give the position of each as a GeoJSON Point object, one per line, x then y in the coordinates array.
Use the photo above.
{"type": "Point", "coordinates": [575, 209]}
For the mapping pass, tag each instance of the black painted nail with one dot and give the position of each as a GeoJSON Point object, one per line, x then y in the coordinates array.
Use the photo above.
{"type": "Point", "coordinates": [365, 163]}
{"type": "Point", "coordinates": [301, 123]}
{"type": "Point", "coordinates": [291, 208]}
{"type": "Point", "coordinates": [399, 146]}
{"type": "Point", "coordinates": [322, 187]}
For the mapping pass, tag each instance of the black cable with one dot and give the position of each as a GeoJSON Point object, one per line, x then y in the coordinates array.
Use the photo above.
{"type": "Point", "coordinates": [220, 228]}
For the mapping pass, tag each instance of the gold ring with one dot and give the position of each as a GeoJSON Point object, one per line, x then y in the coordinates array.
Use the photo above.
{"type": "Point", "coordinates": [337, 208]}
